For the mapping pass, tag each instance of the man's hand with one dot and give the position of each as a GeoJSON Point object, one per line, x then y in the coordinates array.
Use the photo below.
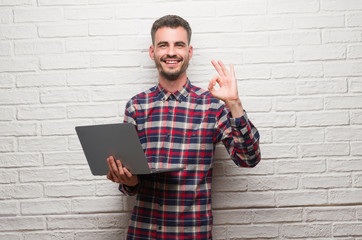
{"type": "Point", "coordinates": [119, 174]}
{"type": "Point", "coordinates": [228, 91]}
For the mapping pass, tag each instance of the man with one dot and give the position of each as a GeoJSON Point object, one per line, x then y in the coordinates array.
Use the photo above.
{"type": "Point", "coordinates": [178, 125]}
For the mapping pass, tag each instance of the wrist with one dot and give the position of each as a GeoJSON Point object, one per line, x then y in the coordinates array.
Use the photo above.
{"type": "Point", "coordinates": [236, 108]}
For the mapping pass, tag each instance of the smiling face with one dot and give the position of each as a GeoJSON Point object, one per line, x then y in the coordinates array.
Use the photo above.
{"type": "Point", "coordinates": [171, 52]}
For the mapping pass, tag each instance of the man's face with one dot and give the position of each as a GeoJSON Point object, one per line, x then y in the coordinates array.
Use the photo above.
{"type": "Point", "coordinates": [171, 52]}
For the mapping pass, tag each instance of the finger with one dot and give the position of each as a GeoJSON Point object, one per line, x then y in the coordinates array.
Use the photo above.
{"type": "Point", "coordinates": [223, 68]}
{"type": "Point", "coordinates": [112, 168]}
{"type": "Point", "coordinates": [217, 67]}
{"type": "Point", "coordinates": [127, 173]}
{"type": "Point", "coordinates": [120, 171]}
{"type": "Point", "coordinates": [232, 72]}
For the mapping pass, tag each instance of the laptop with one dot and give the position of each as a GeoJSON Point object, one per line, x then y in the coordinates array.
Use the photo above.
{"type": "Point", "coordinates": [119, 140]}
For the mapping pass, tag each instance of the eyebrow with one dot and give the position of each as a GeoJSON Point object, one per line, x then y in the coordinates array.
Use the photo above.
{"type": "Point", "coordinates": [167, 43]}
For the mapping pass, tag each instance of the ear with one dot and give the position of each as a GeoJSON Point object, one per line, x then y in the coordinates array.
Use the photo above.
{"type": "Point", "coordinates": [191, 51]}
{"type": "Point", "coordinates": [151, 51]}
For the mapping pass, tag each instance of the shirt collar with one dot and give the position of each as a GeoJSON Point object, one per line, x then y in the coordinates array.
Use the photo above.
{"type": "Point", "coordinates": [179, 95]}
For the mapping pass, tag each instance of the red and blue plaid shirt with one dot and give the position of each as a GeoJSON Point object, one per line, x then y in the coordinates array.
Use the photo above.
{"type": "Point", "coordinates": [181, 130]}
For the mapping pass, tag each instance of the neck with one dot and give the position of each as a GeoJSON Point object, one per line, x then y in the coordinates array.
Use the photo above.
{"type": "Point", "coordinates": [173, 86]}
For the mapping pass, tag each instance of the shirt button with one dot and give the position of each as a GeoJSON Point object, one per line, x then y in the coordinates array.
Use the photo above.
{"type": "Point", "coordinates": [159, 228]}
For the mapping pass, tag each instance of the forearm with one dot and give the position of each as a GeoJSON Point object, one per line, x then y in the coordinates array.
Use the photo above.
{"type": "Point", "coordinates": [235, 107]}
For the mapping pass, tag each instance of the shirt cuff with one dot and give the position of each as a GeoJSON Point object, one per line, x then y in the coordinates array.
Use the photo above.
{"type": "Point", "coordinates": [240, 123]}
{"type": "Point", "coordinates": [128, 190]}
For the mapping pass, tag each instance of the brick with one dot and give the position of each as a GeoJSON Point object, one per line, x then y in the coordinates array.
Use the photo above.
{"type": "Point", "coordinates": [44, 175]}
{"type": "Point", "coordinates": [10, 97]}
{"type": "Point", "coordinates": [124, 92]}
{"type": "Point", "coordinates": [271, 151]}
{"type": "Point", "coordinates": [7, 80]}
{"type": "Point", "coordinates": [42, 144]}
{"type": "Point", "coordinates": [356, 85]}
{"type": "Point", "coordinates": [64, 95]}
{"type": "Point", "coordinates": [294, 6]}
{"type": "Point", "coordinates": [238, 40]}
{"type": "Point", "coordinates": [230, 169]}
{"type": "Point", "coordinates": [8, 176]}
{"type": "Point", "coordinates": [274, 120]}
{"type": "Point", "coordinates": [345, 196]}
{"type": "Point", "coordinates": [301, 198]}
{"type": "Point", "coordinates": [64, 158]}
{"type": "Point", "coordinates": [45, 207]}
{"type": "Point", "coordinates": [69, 190]}
{"type": "Point", "coordinates": [115, 60]}
{"type": "Point", "coordinates": [142, 42]}
{"type": "Point", "coordinates": [117, 28]}
{"type": "Point", "coordinates": [257, 104]}
{"type": "Point", "coordinates": [38, 15]}
{"type": "Point", "coordinates": [246, 232]}
{"type": "Point", "coordinates": [119, 220]}
{"type": "Point", "coordinates": [18, 32]}
{"type": "Point", "coordinates": [89, 13]}
{"type": "Point", "coordinates": [306, 230]}
{"type": "Point", "coordinates": [63, 30]}
{"type": "Point", "coordinates": [106, 188]}
{"type": "Point", "coordinates": [20, 191]}
{"type": "Point", "coordinates": [7, 114]}
{"type": "Point", "coordinates": [91, 78]}
{"type": "Point", "coordinates": [347, 229]}
{"type": "Point", "coordinates": [281, 215]}
{"type": "Point", "coordinates": [265, 23]}
{"type": "Point", "coordinates": [299, 104]}
{"type": "Point", "coordinates": [41, 113]}
{"type": "Point", "coordinates": [5, 49]}
{"type": "Point", "coordinates": [320, 52]}
{"type": "Point", "coordinates": [302, 135]}
{"type": "Point", "coordinates": [326, 181]}
{"type": "Point", "coordinates": [324, 149]}
{"type": "Point", "coordinates": [252, 72]}
{"type": "Point", "coordinates": [227, 200]}
{"type": "Point", "coordinates": [15, 2]}
{"type": "Point", "coordinates": [7, 145]}
{"type": "Point", "coordinates": [230, 184]}
{"type": "Point", "coordinates": [38, 47]}
{"type": "Point", "coordinates": [66, 61]}
{"type": "Point", "coordinates": [245, 8]}
{"type": "Point", "coordinates": [6, 16]}
{"type": "Point", "coordinates": [114, 234]}
{"type": "Point", "coordinates": [100, 204]}
{"type": "Point", "coordinates": [356, 148]}
{"type": "Point", "coordinates": [327, 118]}
{"type": "Point", "coordinates": [40, 80]}
{"type": "Point", "coordinates": [356, 117]}
{"type": "Point", "coordinates": [298, 70]}
{"type": "Point", "coordinates": [71, 222]}
{"type": "Point", "coordinates": [354, 51]}
{"type": "Point", "coordinates": [297, 166]}
{"type": "Point", "coordinates": [48, 235]}
{"type": "Point", "coordinates": [269, 56]}
{"type": "Point", "coordinates": [228, 25]}
{"type": "Point", "coordinates": [18, 129]}
{"type": "Point", "coordinates": [342, 165]}
{"type": "Point", "coordinates": [343, 102]}
{"type": "Point", "coordinates": [272, 183]}
{"type": "Point", "coordinates": [354, 20]}
{"type": "Point", "coordinates": [10, 236]}
{"type": "Point", "coordinates": [94, 110]}
{"type": "Point", "coordinates": [335, 5]}
{"type": "Point", "coordinates": [20, 160]}
{"type": "Point", "coordinates": [319, 21]}
{"type": "Point", "coordinates": [8, 208]}
{"type": "Point", "coordinates": [18, 65]}
{"type": "Point", "coordinates": [295, 38]}
{"type": "Point", "coordinates": [234, 216]}
{"type": "Point", "coordinates": [51, 128]}
{"type": "Point", "coordinates": [61, 2]}
{"type": "Point", "coordinates": [22, 223]}
{"type": "Point", "coordinates": [321, 86]}
{"type": "Point", "coordinates": [93, 44]}
{"type": "Point", "coordinates": [266, 88]}
{"type": "Point", "coordinates": [329, 214]}
{"type": "Point", "coordinates": [344, 134]}
{"type": "Point", "coordinates": [341, 36]}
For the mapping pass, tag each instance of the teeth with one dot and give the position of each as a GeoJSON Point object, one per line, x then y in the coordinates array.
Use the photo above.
{"type": "Point", "coordinates": [171, 61]}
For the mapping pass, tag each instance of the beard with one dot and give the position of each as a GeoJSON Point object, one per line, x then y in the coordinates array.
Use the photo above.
{"type": "Point", "coordinates": [173, 74]}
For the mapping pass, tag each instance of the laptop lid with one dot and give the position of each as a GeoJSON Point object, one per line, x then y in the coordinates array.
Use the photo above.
{"type": "Point", "coordinates": [119, 140]}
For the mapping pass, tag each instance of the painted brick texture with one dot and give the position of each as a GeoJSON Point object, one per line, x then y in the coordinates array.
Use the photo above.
{"type": "Point", "coordinates": [65, 63]}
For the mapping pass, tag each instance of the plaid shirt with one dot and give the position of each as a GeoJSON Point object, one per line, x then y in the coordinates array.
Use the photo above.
{"type": "Point", "coordinates": [180, 130]}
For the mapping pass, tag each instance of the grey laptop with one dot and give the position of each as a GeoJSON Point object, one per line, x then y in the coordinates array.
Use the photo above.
{"type": "Point", "coordinates": [118, 140]}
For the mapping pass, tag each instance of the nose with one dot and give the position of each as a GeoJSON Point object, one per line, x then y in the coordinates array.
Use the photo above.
{"type": "Point", "coordinates": [171, 51]}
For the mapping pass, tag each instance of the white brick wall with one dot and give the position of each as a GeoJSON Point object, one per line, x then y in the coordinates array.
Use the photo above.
{"type": "Point", "coordinates": [65, 63]}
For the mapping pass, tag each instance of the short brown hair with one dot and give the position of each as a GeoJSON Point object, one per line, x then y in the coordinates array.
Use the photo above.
{"type": "Point", "coordinates": [171, 21]}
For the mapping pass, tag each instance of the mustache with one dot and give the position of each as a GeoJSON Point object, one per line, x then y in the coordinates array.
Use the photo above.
{"type": "Point", "coordinates": [172, 57]}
